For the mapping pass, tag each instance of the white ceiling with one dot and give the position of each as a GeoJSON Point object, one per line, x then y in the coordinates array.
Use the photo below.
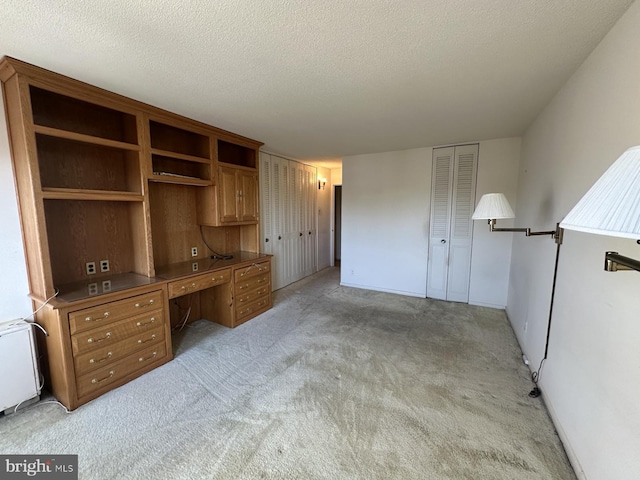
{"type": "Point", "coordinates": [322, 79]}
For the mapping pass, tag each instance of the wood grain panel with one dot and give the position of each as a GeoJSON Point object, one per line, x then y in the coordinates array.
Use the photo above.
{"type": "Point", "coordinates": [174, 225]}
{"type": "Point", "coordinates": [70, 164]}
{"type": "Point", "coordinates": [88, 231]}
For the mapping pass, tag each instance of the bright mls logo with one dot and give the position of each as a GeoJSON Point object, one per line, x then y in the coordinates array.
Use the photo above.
{"type": "Point", "coordinates": [51, 467]}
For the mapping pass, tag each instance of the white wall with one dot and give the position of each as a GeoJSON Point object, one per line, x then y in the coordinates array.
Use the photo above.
{"type": "Point", "coordinates": [491, 254]}
{"type": "Point", "coordinates": [590, 380]}
{"type": "Point", "coordinates": [14, 302]}
{"type": "Point", "coordinates": [385, 213]}
{"type": "Point", "coordinates": [386, 203]}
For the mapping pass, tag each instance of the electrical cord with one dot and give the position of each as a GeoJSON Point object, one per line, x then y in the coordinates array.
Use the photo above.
{"type": "Point", "coordinates": [15, 409]}
{"type": "Point", "coordinates": [535, 376]}
{"type": "Point", "coordinates": [216, 255]}
{"type": "Point", "coordinates": [183, 322]}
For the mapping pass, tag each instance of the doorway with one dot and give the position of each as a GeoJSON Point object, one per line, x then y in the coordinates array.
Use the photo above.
{"type": "Point", "coordinates": [337, 231]}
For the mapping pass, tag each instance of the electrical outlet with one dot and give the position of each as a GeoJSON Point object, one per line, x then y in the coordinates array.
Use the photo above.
{"type": "Point", "coordinates": [91, 268]}
{"type": "Point", "coordinates": [194, 266]}
{"type": "Point", "coordinates": [194, 251]}
{"type": "Point", "coordinates": [93, 288]}
{"type": "Point", "coordinates": [104, 265]}
{"type": "Point", "coordinates": [106, 286]}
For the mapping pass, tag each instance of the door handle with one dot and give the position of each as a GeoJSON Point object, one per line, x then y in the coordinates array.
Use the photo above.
{"type": "Point", "coordinates": [443, 241]}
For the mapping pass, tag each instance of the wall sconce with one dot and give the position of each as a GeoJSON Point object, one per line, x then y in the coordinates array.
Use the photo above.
{"type": "Point", "coordinates": [612, 207]}
{"type": "Point", "coordinates": [493, 206]}
{"type": "Point", "coordinates": [321, 183]}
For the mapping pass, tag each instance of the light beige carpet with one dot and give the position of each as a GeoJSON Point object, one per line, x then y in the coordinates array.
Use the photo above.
{"type": "Point", "coordinates": [332, 383]}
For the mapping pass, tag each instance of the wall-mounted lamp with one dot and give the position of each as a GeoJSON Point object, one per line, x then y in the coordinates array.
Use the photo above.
{"type": "Point", "coordinates": [612, 207]}
{"type": "Point", "coordinates": [493, 206]}
{"type": "Point", "coordinates": [321, 183]}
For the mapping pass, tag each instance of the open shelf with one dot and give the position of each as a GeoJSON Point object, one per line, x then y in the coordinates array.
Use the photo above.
{"type": "Point", "coordinates": [71, 164]}
{"type": "Point", "coordinates": [61, 112]}
{"type": "Point", "coordinates": [174, 140]}
{"type": "Point", "coordinates": [98, 195]}
{"type": "Point", "coordinates": [81, 231]}
{"type": "Point", "coordinates": [173, 170]}
{"type": "Point", "coordinates": [238, 155]}
{"type": "Point", "coordinates": [80, 137]}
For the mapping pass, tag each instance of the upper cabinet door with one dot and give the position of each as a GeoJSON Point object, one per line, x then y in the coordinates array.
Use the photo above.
{"type": "Point", "coordinates": [248, 196]}
{"type": "Point", "coordinates": [228, 195]}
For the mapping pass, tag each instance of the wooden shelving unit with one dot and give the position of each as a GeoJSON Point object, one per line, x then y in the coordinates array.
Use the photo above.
{"type": "Point", "coordinates": [103, 177]}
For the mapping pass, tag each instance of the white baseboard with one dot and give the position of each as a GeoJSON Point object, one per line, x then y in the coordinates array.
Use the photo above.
{"type": "Point", "coordinates": [386, 290]}
{"type": "Point", "coordinates": [489, 305]}
{"type": "Point", "coordinates": [571, 455]}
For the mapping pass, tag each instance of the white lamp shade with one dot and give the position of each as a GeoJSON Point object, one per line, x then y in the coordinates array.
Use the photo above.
{"type": "Point", "coordinates": [493, 205]}
{"type": "Point", "coordinates": [612, 205]}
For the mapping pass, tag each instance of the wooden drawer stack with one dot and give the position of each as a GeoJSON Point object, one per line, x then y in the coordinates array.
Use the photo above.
{"type": "Point", "coordinates": [117, 341]}
{"type": "Point", "coordinates": [252, 290]}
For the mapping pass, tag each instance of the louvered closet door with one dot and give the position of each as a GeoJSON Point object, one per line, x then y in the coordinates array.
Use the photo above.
{"type": "Point", "coordinates": [461, 234]}
{"type": "Point", "coordinates": [280, 214]}
{"type": "Point", "coordinates": [309, 232]}
{"type": "Point", "coordinates": [451, 234]}
{"type": "Point", "coordinates": [266, 207]}
{"type": "Point", "coordinates": [441, 185]}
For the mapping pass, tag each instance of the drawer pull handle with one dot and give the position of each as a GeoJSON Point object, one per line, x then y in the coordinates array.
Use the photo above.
{"type": "Point", "coordinates": [153, 337]}
{"type": "Point", "coordinates": [103, 359]}
{"type": "Point", "coordinates": [99, 340]}
{"type": "Point", "coordinates": [153, 355]}
{"type": "Point", "coordinates": [184, 287]}
{"type": "Point", "coordinates": [92, 319]}
{"type": "Point", "coordinates": [142, 324]}
{"type": "Point", "coordinates": [144, 305]}
{"type": "Point", "coordinates": [111, 374]}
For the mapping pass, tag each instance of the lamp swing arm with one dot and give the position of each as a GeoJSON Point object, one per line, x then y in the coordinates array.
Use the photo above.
{"type": "Point", "coordinates": [556, 234]}
{"type": "Point", "coordinates": [613, 262]}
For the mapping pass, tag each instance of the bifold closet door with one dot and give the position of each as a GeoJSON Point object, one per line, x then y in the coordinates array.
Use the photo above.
{"type": "Point", "coordinates": [288, 218]}
{"type": "Point", "coordinates": [451, 231]}
{"type": "Point", "coordinates": [309, 219]}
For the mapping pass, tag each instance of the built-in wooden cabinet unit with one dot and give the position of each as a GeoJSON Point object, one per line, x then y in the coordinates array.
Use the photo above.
{"type": "Point", "coordinates": [114, 197]}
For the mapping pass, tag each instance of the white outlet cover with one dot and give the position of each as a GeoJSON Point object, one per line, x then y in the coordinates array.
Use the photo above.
{"type": "Point", "coordinates": [104, 265]}
{"type": "Point", "coordinates": [91, 268]}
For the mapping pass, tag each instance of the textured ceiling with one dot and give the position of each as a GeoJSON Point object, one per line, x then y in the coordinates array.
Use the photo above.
{"type": "Point", "coordinates": [322, 79]}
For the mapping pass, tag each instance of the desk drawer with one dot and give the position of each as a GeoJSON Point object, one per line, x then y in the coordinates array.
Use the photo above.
{"type": "Point", "coordinates": [251, 283]}
{"type": "Point", "coordinates": [250, 296]}
{"type": "Point", "coordinates": [108, 354]}
{"type": "Point", "coordinates": [111, 373]}
{"type": "Point", "coordinates": [253, 270]}
{"type": "Point", "coordinates": [113, 333]}
{"type": "Point", "coordinates": [244, 312]}
{"type": "Point", "coordinates": [89, 318]}
{"type": "Point", "coordinates": [199, 282]}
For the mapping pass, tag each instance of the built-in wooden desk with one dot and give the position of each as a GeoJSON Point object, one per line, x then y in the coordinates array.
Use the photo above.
{"type": "Point", "coordinates": [105, 333]}
{"type": "Point", "coordinates": [230, 291]}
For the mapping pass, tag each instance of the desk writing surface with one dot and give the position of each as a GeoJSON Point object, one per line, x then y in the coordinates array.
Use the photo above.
{"type": "Point", "coordinates": [182, 269]}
